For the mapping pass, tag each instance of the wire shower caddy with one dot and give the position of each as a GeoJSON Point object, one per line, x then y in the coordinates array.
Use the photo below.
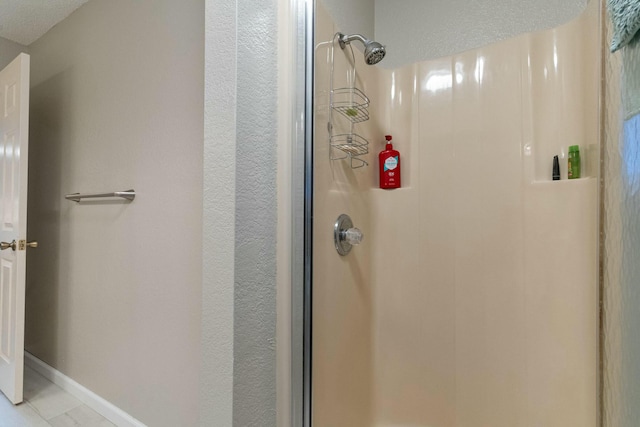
{"type": "Point", "coordinates": [351, 104]}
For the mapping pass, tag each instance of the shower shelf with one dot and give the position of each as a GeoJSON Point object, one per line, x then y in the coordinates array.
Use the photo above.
{"type": "Point", "coordinates": [352, 103]}
{"type": "Point", "coordinates": [351, 144]}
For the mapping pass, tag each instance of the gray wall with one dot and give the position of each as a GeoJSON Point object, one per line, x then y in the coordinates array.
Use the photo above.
{"type": "Point", "coordinates": [415, 30]}
{"type": "Point", "coordinates": [114, 291]}
{"type": "Point", "coordinates": [9, 50]}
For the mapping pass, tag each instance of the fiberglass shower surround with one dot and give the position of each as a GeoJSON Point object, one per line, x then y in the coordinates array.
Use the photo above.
{"type": "Point", "coordinates": [463, 306]}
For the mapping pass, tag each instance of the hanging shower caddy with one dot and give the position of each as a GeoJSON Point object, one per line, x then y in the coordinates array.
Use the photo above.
{"type": "Point", "coordinates": [351, 104]}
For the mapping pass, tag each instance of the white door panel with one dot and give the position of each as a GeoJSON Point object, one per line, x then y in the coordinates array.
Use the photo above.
{"type": "Point", "coordinates": [14, 134]}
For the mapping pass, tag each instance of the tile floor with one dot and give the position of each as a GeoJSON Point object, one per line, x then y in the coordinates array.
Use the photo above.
{"type": "Point", "coordinates": [47, 405]}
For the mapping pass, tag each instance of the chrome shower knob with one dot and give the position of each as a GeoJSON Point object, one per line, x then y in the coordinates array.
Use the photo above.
{"type": "Point", "coordinates": [353, 235]}
{"type": "Point", "coordinates": [345, 235]}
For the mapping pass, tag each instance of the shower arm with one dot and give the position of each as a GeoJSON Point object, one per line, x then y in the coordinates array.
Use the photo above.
{"type": "Point", "coordinates": [345, 40]}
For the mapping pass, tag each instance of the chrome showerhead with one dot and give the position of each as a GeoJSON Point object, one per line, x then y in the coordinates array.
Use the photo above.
{"type": "Point", "coordinates": [374, 52]}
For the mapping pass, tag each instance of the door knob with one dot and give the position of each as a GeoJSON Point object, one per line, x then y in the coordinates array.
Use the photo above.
{"type": "Point", "coordinates": [5, 245]}
{"type": "Point", "coordinates": [23, 245]}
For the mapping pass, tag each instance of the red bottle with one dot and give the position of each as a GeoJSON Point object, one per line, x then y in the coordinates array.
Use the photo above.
{"type": "Point", "coordinates": [389, 161]}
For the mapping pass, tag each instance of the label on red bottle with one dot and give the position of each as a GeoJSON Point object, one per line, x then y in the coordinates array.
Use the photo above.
{"type": "Point", "coordinates": [391, 163]}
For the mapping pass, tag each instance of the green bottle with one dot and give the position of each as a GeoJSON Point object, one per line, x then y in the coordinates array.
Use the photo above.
{"type": "Point", "coordinates": [573, 167]}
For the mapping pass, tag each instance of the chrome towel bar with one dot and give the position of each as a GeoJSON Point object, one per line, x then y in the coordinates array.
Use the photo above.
{"type": "Point", "coordinates": [76, 197]}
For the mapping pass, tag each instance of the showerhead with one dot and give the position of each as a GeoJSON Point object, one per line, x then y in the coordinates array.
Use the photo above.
{"type": "Point", "coordinates": [374, 52]}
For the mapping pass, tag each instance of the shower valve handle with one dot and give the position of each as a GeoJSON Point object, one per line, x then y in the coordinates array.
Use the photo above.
{"type": "Point", "coordinates": [353, 235]}
{"type": "Point", "coordinates": [345, 235]}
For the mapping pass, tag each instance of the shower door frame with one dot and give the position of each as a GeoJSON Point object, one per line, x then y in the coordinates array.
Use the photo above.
{"type": "Point", "coordinates": [303, 39]}
{"type": "Point", "coordinates": [302, 158]}
{"type": "Point", "coordinates": [309, 44]}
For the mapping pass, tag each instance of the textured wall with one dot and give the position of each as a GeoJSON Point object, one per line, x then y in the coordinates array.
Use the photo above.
{"type": "Point", "coordinates": [415, 30]}
{"type": "Point", "coordinates": [354, 16]}
{"type": "Point", "coordinates": [254, 402]}
{"type": "Point", "coordinates": [216, 383]}
{"type": "Point", "coordinates": [114, 291]}
{"type": "Point", "coordinates": [239, 307]}
{"type": "Point", "coordinates": [9, 50]}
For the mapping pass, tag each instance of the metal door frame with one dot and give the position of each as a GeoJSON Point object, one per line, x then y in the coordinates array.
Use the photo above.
{"type": "Point", "coordinates": [302, 197]}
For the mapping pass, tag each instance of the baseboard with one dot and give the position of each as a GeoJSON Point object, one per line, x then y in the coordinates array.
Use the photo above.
{"type": "Point", "coordinates": [83, 394]}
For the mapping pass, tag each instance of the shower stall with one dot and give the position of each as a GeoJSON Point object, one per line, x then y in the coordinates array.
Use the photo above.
{"type": "Point", "coordinates": [482, 292]}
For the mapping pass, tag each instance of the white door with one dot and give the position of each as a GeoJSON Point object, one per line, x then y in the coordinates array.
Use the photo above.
{"type": "Point", "coordinates": [14, 137]}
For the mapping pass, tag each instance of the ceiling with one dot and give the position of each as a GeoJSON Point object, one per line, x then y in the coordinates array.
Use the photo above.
{"type": "Point", "coordinates": [25, 21]}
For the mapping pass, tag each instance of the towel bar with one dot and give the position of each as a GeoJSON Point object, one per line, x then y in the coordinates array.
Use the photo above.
{"type": "Point", "coordinates": [76, 197]}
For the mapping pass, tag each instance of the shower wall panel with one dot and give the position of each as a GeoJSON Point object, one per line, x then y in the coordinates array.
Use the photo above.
{"type": "Point", "coordinates": [473, 299]}
{"type": "Point", "coordinates": [342, 293]}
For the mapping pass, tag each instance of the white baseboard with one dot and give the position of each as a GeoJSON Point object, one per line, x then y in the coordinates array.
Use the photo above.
{"type": "Point", "coordinates": [83, 394]}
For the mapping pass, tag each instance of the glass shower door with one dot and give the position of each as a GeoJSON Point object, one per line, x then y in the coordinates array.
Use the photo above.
{"type": "Point", "coordinates": [621, 244]}
{"type": "Point", "coordinates": [473, 298]}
